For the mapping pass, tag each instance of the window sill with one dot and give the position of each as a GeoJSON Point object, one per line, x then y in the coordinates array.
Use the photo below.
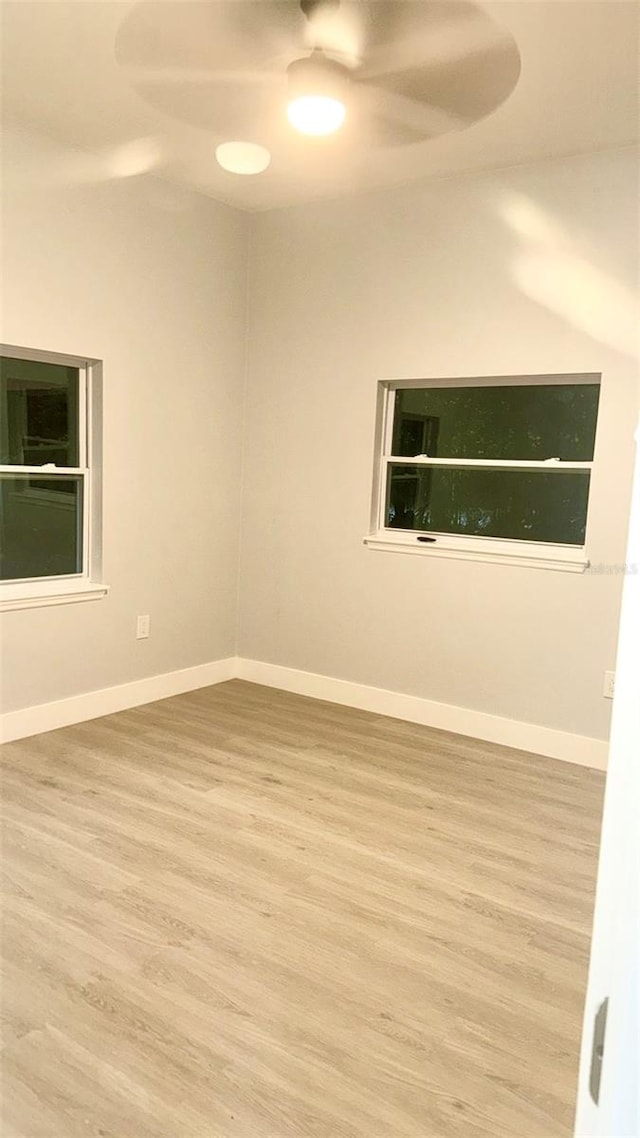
{"type": "Point", "coordinates": [561, 558]}
{"type": "Point", "coordinates": [39, 595]}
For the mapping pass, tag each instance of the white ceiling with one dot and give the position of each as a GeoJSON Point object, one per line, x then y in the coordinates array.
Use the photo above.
{"type": "Point", "coordinates": [577, 92]}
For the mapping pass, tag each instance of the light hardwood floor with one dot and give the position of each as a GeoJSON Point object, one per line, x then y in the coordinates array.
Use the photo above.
{"type": "Point", "coordinates": [240, 913]}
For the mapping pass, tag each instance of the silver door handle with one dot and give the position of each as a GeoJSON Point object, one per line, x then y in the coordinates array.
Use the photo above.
{"type": "Point", "coordinates": [597, 1050]}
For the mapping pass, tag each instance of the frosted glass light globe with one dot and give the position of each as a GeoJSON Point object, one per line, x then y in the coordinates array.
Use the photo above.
{"type": "Point", "coordinates": [316, 114]}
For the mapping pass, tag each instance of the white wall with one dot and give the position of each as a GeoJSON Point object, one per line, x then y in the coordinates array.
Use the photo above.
{"type": "Point", "coordinates": [532, 270]}
{"type": "Point", "coordinates": [152, 281]}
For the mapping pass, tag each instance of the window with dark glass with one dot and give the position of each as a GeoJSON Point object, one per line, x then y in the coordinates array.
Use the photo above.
{"type": "Point", "coordinates": [510, 460]}
{"type": "Point", "coordinates": [43, 470]}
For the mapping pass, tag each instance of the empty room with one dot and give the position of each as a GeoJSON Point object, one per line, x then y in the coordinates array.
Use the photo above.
{"type": "Point", "coordinates": [319, 569]}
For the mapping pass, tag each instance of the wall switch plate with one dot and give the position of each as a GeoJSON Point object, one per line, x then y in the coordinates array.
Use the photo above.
{"type": "Point", "coordinates": [142, 630]}
{"type": "Point", "coordinates": [609, 685]}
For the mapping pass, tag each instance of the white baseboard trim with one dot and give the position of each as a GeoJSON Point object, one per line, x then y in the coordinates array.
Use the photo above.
{"type": "Point", "coordinates": [580, 749]}
{"type": "Point", "coordinates": [91, 705]}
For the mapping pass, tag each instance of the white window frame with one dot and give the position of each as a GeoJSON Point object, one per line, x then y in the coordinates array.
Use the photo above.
{"type": "Point", "coordinates": [37, 592]}
{"type": "Point", "coordinates": [497, 550]}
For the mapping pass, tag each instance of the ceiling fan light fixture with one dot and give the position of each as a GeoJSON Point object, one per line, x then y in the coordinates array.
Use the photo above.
{"type": "Point", "coordinates": [317, 95]}
{"type": "Point", "coordinates": [243, 157]}
{"type": "Point", "coordinates": [316, 114]}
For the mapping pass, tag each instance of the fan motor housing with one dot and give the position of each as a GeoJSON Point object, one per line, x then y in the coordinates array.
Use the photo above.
{"type": "Point", "coordinates": [316, 74]}
{"type": "Point", "coordinates": [309, 6]}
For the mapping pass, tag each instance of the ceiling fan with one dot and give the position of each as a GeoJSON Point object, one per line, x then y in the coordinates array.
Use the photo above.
{"type": "Point", "coordinates": [381, 72]}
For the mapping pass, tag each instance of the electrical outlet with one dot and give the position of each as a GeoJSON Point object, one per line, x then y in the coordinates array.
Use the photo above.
{"type": "Point", "coordinates": [142, 630]}
{"type": "Point", "coordinates": [609, 685]}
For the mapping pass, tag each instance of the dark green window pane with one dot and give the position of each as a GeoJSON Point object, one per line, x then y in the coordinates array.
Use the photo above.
{"type": "Point", "coordinates": [38, 413]}
{"type": "Point", "coordinates": [528, 422]}
{"type": "Point", "coordinates": [40, 525]}
{"type": "Point", "coordinates": [520, 504]}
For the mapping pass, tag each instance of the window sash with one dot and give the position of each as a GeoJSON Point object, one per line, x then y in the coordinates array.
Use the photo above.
{"type": "Point", "coordinates": [390, 389]}
{"type": "Point", "coordinates": [547, 465]}
{"type": "Point", "coordinates": [44, 468]}
{"type": "Point", "coordinates": [85, 518]}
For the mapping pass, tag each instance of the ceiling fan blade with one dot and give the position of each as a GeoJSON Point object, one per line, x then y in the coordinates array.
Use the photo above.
{"type": "Point", "coordinates": [457, 61]}
{"type": "Point", "coordinates": [206, 77]}
{"type": "Point", "coordinates": [203, 34]}
{"type": "Point", "coordinates": [431, 36]}
{"type": "Point", "coordinates": [468, 90]}
{"type": "Point", "coordinates": [413, 121]}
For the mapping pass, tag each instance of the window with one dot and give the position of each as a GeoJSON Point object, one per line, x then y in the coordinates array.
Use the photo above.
{"type": "Point", "coordinates": [487, 468]}
{"type": "Point", "coordinates": [49, 479]}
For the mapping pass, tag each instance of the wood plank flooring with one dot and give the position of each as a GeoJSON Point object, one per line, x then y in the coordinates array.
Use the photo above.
{"type": "Point", "coordinates": [241, 913]}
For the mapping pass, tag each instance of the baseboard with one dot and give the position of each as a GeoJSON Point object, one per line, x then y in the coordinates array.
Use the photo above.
{"type": "Point", "coordinates": [580, 749]}
{"type": "Point", "coordinates": [91, 705]}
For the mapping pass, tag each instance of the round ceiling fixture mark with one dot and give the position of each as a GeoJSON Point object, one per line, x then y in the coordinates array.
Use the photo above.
{"type": "Point", "coordinates": [244, 158]}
